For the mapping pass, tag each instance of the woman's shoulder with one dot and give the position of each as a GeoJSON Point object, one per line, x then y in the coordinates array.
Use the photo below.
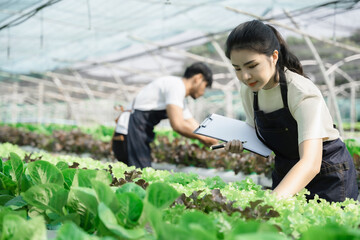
{"type": "Point", "coordinates": [300, 84]}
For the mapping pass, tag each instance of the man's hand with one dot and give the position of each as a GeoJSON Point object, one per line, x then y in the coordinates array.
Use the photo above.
{"type": "Point", "coordinates": [209, 141]}
{"type": "Point", "coordinates": [186, 127]}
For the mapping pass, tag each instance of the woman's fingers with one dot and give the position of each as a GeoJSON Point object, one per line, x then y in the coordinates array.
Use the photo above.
{"type": "Point", "coordinates": [234, 146]}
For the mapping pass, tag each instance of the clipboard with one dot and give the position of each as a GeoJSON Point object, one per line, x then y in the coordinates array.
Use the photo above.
{"type": "Point", "coordinates": [227, 129]}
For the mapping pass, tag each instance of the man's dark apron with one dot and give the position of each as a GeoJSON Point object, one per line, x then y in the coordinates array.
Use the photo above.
{"type": "Point", "coordinates": [278, 130]}
{"type": "Point", "coordinates": [141, 134]}
{"type": "Point", "coordinates": [119, 147]}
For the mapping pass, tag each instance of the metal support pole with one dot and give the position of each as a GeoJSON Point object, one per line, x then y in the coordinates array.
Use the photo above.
{"type": "Point", "coordinates": [331, 103]}
{"type": "Point", "coordinates": [337, 44]}
{"type": "Point", "coordinates": [14, 108]}
{"type": "Point", "coordinates": [230, 68]}
{"type": "Point", "coordinates": [67, 96]}
{"type": "Point", "coordinates": [41, 103]}
{"type": "Point", "coordinates": [124, 92]}
{"type": "Point", "coordinates": [229, 103]}
{"type": "Point", "coordinates": [184, 53]}
{"type": "Point", "coordinates": [84, 85]}
{"type": "Point", "coordinates": [352, 107]}
{"type": "Point", "coordinates": [326, 77]}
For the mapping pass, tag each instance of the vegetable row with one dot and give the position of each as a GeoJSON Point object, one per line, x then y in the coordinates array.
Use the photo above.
{"type": "Point", "coordinates": [95, 200]}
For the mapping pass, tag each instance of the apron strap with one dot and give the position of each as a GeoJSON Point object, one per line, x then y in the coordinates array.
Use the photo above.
{"type": "Point", "coordinates": [256, 102]}
{"type": "Point", "coordinates": [256, 108]}
{"type": "Point", "coordinates": [284, 89]}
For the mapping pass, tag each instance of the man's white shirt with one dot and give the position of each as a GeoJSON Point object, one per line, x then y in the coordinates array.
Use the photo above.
{"type": "Point", "coordinates": [156, 96]}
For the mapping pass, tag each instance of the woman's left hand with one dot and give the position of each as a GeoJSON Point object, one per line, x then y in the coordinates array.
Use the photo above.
{"type": "Point", "coordinates": [234, 146]}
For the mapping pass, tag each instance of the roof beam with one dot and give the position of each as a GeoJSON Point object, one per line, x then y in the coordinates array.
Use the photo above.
{"type": "Point", "coordinates": [337, 44]}
{"type": "Point", "coordinates": [328, 82]}
{"type": "Point", "coordinates": [183, 52]}
{"type": "Point", "coordinates": [89, 81]}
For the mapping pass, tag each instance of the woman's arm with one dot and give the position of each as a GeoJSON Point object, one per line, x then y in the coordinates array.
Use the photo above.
{"type": "Point", "coordinates": [303, 171]}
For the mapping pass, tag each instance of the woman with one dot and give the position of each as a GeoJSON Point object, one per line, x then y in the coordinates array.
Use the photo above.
{"type": "Point", "coordinates": [290, 116]}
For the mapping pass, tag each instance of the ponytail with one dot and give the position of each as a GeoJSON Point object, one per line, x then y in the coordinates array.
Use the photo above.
{"type": "Point", "coordinates": [286, 58]}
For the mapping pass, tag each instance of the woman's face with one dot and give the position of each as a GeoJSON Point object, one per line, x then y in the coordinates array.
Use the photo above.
{"type": "Point", "coordinates": [254, 69]}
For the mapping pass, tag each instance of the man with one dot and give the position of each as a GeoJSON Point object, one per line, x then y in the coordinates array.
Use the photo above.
{"type": "Point", "coordinates": [162, 98]}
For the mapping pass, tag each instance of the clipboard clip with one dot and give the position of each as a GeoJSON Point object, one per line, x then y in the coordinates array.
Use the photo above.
{"type": "Point", "coordinates": [206, 121]}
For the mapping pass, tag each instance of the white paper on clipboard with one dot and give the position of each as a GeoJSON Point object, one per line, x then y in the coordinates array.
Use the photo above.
{"type": "Point", "coordinates": [227, 129]}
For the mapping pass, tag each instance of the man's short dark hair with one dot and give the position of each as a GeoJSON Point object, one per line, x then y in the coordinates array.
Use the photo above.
{"type": "Point", "coordinates": [202, 68]}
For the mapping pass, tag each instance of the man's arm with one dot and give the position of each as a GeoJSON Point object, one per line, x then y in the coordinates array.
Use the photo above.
{"type": "Point", "coordinates": [185, 127]}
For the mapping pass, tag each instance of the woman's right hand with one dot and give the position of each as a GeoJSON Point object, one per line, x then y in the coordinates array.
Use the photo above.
{"type": "Point", "coordinates": [234, 146]}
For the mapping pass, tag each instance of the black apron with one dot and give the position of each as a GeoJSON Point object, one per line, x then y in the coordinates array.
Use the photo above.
{"type": "Point", "coordinates": [119, 147]}
{"type": "Point", "coordinates": [140, 135]}
{"type": "Point", "coordinates": [278, 130]}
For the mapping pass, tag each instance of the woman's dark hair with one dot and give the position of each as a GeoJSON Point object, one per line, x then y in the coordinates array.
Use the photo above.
{"type": "Point", "coordinates": [263, 38]}
{"type": "Point", "coordinates": [202, 68]}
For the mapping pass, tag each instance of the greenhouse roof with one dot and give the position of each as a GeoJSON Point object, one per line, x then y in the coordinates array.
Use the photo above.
{"type": "Point", "coordinates": [39, 35]}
